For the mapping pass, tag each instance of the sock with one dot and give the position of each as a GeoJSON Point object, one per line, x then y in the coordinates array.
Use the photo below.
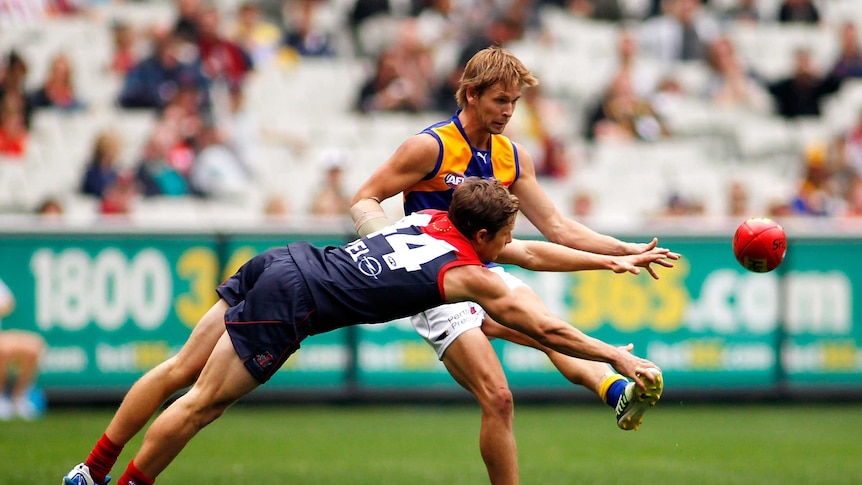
{"type": "Point", "coordinates": [102, 458]}
{"type": "Point", "coordinates": [612, 388]}
{"type": "Point", "coordinates": [133, 476]}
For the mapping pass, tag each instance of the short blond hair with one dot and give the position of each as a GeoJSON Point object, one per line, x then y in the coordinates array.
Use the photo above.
{"type": "Point", "coordinates": [490, 66]}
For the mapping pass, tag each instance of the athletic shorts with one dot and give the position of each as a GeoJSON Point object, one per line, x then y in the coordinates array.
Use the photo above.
{"type": "Point", "coordinates": [441, 325]}
{"type": "Point", "coordinates": [270, 311]}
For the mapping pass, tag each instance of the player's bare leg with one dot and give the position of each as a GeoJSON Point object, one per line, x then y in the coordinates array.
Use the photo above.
{"type": "Point", "coordinates": [148, 394]}
{"type": "Point", "coordinates": [473, 363]}
{"type": "Point", "coordinates": [223, 381]}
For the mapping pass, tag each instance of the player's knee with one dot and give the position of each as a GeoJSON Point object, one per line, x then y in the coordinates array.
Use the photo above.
{"type": "Point", "coordinates": [501, 403]}
{"type": "Point", "coordinates": [181, 372]}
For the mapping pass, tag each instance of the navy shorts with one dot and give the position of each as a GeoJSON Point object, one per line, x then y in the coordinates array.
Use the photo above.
{"type": "Point", "coordinates": [270, 311]}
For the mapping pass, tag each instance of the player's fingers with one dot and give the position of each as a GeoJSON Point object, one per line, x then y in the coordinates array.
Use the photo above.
{"type": "Point", "coordinates": [651, 272]}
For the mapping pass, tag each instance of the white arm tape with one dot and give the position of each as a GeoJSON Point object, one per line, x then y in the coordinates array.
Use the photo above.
{"type": "Point", "coordinates": [368, 217]}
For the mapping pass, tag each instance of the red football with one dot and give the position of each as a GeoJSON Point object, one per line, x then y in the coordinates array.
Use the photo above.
{"type": "Point", "coordinates": [759, 244]}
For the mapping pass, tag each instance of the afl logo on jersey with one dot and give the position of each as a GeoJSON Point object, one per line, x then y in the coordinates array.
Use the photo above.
{"type": "Point", "coordinates": [454, 179]}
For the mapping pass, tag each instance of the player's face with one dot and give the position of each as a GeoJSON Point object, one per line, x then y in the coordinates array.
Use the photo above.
{"type": "Point", "coordinates": [496, 105]}
{"type": "Point", "coordinates": [493, 246]}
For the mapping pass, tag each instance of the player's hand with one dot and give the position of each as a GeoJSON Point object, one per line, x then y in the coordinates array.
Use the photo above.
{"type": "Point", "coordinates": [635, 368]}
{"type": "Point", "coordinates": [647, 253]}
{"type": "Point", "coordinates": [631, 262]}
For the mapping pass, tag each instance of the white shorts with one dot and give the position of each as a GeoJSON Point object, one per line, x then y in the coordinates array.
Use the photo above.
{"type": "Point", "coordinates": [441, 325]}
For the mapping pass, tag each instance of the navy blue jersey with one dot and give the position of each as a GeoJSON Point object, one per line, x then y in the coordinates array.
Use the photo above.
{"type": "Point", "coordinates": [392, 273]}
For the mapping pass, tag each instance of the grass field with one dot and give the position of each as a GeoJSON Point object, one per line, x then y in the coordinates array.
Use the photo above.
{"type": "Point", "coordinates": [578, 444]}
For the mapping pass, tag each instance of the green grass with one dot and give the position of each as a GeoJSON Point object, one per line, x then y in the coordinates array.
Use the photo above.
{"type": "Point", "coordinates": [579, 444]}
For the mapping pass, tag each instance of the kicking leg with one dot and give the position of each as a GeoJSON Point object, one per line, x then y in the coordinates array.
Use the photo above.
{"type": "Point", "coordinates": [473, 363]}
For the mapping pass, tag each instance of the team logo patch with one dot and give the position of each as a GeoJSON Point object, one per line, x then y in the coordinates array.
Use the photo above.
{"type": "Point", "coordinates": [454, 179]}
{"type": "Point", "coordinates": [264, 360]}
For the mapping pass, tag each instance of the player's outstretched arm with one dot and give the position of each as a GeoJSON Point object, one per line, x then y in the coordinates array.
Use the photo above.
{"type": "Point", "coordinates": [546, 256]}
{"type": "Point", "coordinates": [477, 284]}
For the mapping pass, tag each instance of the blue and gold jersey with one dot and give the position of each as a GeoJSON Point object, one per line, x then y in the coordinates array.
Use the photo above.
{"type": "Point", "coordinates": [456, 161]}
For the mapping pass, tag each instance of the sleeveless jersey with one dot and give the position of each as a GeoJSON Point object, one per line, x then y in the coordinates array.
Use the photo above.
{"type": "Point", "coordinates": [392, 273]}
{"type": "Point", "coordinates": [458, 160]}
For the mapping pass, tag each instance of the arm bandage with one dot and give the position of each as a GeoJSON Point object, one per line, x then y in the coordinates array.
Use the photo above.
{"type": "Point", "coordinates": [368, 217]}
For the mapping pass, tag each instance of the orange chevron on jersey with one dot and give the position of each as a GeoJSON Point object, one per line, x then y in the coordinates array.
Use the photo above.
{"type": "Point", "coordinates": [458, 160]}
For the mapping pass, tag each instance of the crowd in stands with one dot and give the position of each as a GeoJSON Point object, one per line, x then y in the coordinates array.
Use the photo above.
{"type": "Point", "coordinates": [192, 74]}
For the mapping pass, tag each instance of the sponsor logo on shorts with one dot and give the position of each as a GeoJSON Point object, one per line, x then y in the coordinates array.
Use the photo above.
{"type": "Point", "coordinates": [264, 360]}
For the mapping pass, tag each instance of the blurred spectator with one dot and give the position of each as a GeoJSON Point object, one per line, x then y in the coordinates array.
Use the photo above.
{"type": "Point", "coordinates": [622, 115]}
{"type": "Point", "coordinates": [101, 171]}
{"type": "Point", "coordinates": [852, 150]}
{"type": "Point", "coordinates": [644, 73]}
{"type": "Point", "coordinates": [817, 193]}
{"type": "Point", "coordinates": [363, 11]}
{"type": "Point", "coordinates": [680, 33]}
{"type": "Point", "coordinates": [186, 25]}
{"type": "Point", "coordinates": [50, 207]}
{"type": "Point", "coordinates": [607, 10]}
{"type": "Point", "coordinates": [154, 174]}
{"type": "Point", "coordinates": [119, 197]}
{"type": "Point", "coordinates": [331, 199]}
{"type": "Point", "coordinates": [582, 205]}
{"type": "Point", "coordinates": [58, 89]}
{"type": "Point", "coordinates": [402, 77]}
{"type": "Point", "coordinates": [849, 62]}
{"type": "Point", "coordinates": [854, 199]}
{"type": "Point", "coordinates": [737, 200]}
{"type": "Point", "coordinates": [255, 34]}
{"type": "Point", "coordinates": [13, 129]}
{"type": "Point", "coordinates": [217, 171]}
{"type": "Point", "coordinates": [744, 11]}
{"type": "Point", "coordinates": [802, 93]}
{"type": "Point", "coordinates": [21, 352]}
{"type": "Point", "coordinates": [276, 207]}
{"type": "Point", "coordinates": [803, 11]}
{"type": "Point", "coordinates": [13, 79]}
{"type": "Point", "coordinates": [730, 84]}
{"type": "Point", "coordinates": [678, 205]}
{"type": "Point", "coordinates": [304, 34]}
{"type": "Point", "coordinates": [222, 59]}
{"type": "Point", "coordinates": [504, 28]}
{"type": "Point", "coordinates": [155, 80]}
{"type": "Point", "coordinates": [124, 55]}
{"type": "Point", "coordinates": [539, 124]}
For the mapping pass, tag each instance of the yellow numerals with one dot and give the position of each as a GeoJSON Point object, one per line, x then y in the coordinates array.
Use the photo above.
{"type": "Point", "coordinates": [629, 303]}
{"type": "Point", "coordinates": [198, 266]}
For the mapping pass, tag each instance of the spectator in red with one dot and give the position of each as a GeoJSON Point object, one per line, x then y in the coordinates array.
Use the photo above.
{"type": "Point", "coordinates": [221, 58]}
{"type": "Point", "coordinates": [119, 197]}
{"type": "Point", "coordinates": [13, 129]}
{"type": "Point", "coordinates": [58, 90]}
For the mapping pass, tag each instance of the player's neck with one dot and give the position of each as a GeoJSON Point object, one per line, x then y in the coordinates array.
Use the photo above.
{"type": "Point", "coordinates": [478, 136]}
